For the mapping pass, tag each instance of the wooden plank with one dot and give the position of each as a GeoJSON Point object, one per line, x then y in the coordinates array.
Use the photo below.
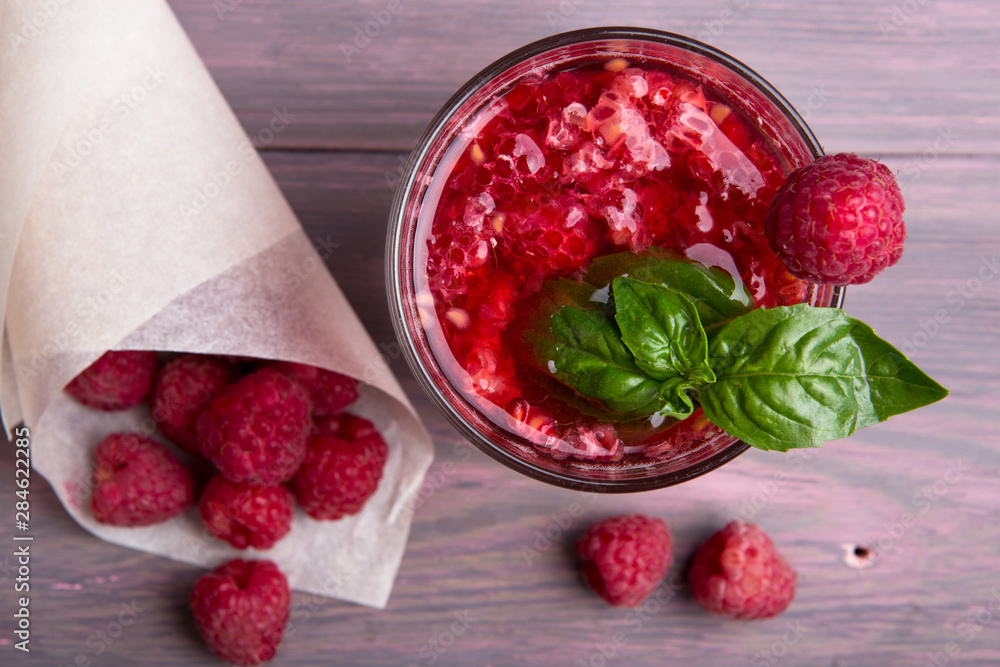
{"type": "Point", "coordinates": [880, 79]}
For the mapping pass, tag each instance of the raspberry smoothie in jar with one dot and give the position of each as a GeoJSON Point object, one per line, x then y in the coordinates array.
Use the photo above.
{"type": "Point", "coordinates": [575, 161]}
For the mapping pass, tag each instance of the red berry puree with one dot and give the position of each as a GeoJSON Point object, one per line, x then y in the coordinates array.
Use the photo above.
{"type": "Point", "coordinates": [566, 166]}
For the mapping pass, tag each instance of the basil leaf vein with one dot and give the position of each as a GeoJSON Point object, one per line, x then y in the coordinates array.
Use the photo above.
{"type": "Point", "coordinates": [797, 376]}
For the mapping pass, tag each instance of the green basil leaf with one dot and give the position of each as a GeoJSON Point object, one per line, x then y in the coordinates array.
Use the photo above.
{"type": "Point", "coordinates": [797, 376]}
{"type": "Point", "coordinates": [895, 384]}
{"type": "Point", "coordinates": [715, 293]}
{"type": "Point", "coordinates": [533, 328]}
{"type": "Point", "coordinates": [589, 356]}
{"type": "Point", "coordinates": [662, 329]}
{"type": "Point", "coordinates": [786, 377]}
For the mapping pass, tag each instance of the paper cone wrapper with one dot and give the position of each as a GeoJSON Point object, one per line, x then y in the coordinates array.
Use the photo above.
{"type": "Point", "coordinates": [138, 215]}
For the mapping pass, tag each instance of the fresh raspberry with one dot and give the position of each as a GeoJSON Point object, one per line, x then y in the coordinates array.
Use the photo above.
{"type": "Point", "coordinates": [138, 482]}
{"type": "Point", "coordinates": [184, 387]}
{"type": "Point", "coordinates": [625, 558]}
{"type": "Point", "coordinates": [255, 430]}
{"type": "Point", "coordinates": [330, 392]}
{"type": "Point", "coordinates": [244, 515]}
{"type": "Point", "coordinates": [837, 220]}
{"type": "Point", "coordinates": [241, 609]}
{"type": "Point", "coordinates": [340, 472]}
{"type": "Point", "coordinates": [739, 573]}
{"type": "Point", "coordinates": [117, 380]}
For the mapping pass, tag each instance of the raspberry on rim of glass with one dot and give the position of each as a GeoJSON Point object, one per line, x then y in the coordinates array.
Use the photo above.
{"type": "Point", "coordinates": [837, 220]}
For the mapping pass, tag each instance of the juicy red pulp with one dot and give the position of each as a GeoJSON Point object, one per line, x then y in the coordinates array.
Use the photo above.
{"type": "Point", "coordinates": [573, 165]}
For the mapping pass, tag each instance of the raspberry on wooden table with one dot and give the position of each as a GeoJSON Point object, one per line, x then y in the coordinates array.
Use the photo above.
{"type": "Point", "coordinates": [625, 557]}
{"type": "Point", "coordinates": [738, 572]}
{"type": "Point", "coordinates": [241, 609]}
{"type": "Point", "coordinates": [138, 482]}
{"type": "Point", "coordinates": [117, 380]}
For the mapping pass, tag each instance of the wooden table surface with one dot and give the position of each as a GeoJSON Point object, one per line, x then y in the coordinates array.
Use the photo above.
{"type": "Point", "coordinates": [489, 577]}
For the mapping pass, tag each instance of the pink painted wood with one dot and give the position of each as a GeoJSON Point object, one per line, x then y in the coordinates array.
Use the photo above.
{"type": "Point", "coordinates": [489, 577]}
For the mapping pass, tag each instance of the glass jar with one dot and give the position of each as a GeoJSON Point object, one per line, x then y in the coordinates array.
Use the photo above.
{"type": "Point", "coordinates": [498, 431]}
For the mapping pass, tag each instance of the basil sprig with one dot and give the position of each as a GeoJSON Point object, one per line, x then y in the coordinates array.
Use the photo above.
{"type": "Point", "coordinates": [661, 328]}
{"type": "Point", "coordinates": [672, 333]}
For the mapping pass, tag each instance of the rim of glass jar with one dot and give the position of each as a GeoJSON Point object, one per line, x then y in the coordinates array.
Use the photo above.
{"type": "Point", "coordinates": [397, 254]}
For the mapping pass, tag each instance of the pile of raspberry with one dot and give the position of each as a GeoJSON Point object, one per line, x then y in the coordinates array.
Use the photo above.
{"type": "Point", "coordinates": [246, 440]}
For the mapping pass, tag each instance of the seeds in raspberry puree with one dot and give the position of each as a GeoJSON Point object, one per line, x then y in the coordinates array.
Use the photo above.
{"type": "Point", "coordinates": [566, 166]}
